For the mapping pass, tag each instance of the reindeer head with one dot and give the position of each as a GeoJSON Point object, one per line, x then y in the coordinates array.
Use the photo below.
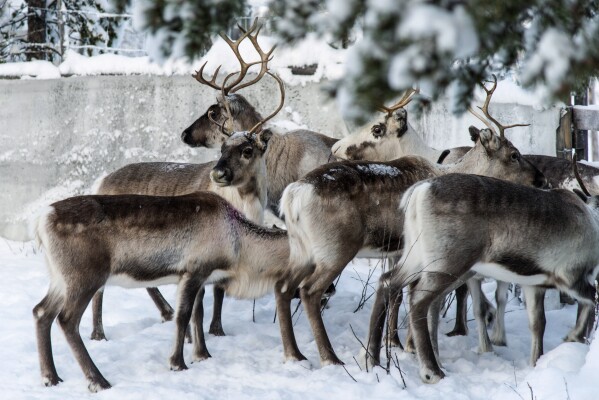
{"type": "Point", "coordinates": [206, 132]}
{"type": "Point", "coordinates": [241, 158]}
{"type": "Point", "coordinates": [231, 109]}
{"type": "Point", "coordinates": [380, 140]}
{"type": "Point", "coordinates": [242, 153]}
{"type": "Point", "coordinates": [494, 155]}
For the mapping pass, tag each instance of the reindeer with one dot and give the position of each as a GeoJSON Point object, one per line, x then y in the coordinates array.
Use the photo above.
{"type": "Point", "coordinates": [350, 208]}
{"type": "Point", "coordinates": [394, 137]}
{"type": "Point", "coordinates": [500, 229]}
{"type": "Point", "coordinates": [289, 157]}
{"type": "Point", "coordinates": [391, 137]}
{"type": "Point", "coordinates": [145, 241]}
{"type": "Point", "coordinates": [239, 176]}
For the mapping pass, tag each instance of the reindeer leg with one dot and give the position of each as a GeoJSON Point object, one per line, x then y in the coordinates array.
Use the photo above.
{"type": "Point", "coordinates": [498, 336]}
{"type": "Point", "coordinates": [216, 325]}
{"type": "Point", "coordinates": [311, 295]}
{"type": "Point", "coordinates": [422, 293]}
{"type": "Point", "coordinates": [535, 308]}
{"type": "Point", "coordinates": [200, 351]}
{"type": "Point", "coordinates": [44, 314]}
{"type": "Point", "coordinates": [166, 311]}
{"type": "Point", "coordinates": [585, 318]}
{"type": "Point", "coordinates": [372, 354]}
{"type": "Point", "coordinates": [188, 288]}
{"type": "Point", "coordinates": [434, 312]}
{"type": "Point", "coordinates": [393, 323]}
{"type": "Point", "coordinates": [283, 299]}
{"type": "Point", "coordinates": [461, 322]}
{"type": "Point", "coordinates": [98, 326]}
{"type": "Point", "coordinates": [484, 343]}
{"type": "Point", "coordinates": [410, 348]}
{"type": "Point", "coordinates": [69, 319]}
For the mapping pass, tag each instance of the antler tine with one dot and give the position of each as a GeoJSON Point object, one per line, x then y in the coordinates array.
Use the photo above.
{"type": "Point", "coordinates": [487, 123]}
{"type": "Point", "coordinates": [229, 116]}
{"type": "Point", "coordinates": [215, 122]}
{"type": "Point", "coordinates": [265, 57]}
{"type": "Point", "coordinates": [199, 76]}
{"type": "Point", "coordinates": [405, 100]}
{"type": "Point", "coordinates": [234, 45]}
{"type": "Point", "coordinates": [282, 89]}
{"type": "Point", "coordinates": [485, 109]}
{"type": "Point", "coordinates": [577, 174]}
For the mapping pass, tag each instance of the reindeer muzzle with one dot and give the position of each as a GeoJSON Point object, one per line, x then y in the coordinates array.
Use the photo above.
{"type": "Point", "coordinates": [221, 176]}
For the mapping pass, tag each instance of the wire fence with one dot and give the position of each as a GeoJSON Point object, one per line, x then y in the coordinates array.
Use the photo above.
{"type": "Point", "coordinates": [86, 31]}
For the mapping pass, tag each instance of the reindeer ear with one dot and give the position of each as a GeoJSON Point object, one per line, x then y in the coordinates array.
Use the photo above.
{"type": "Point", "coordinates": [401, 118]}
{"type": "Point", "coordinates": [474, 133]}
{"type": "Point", "coordinates": [263, 138]}
{"type": "Point", "coordinates": [489, 140]}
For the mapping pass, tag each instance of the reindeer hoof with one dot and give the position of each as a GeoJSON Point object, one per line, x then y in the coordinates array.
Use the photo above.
{"type": "Point", "coordinates": [178, 365]}
{"type": "Point", "coordinates": [100, 384]}
{"type": "Point", "coordinates": [216, 330]}
{"type": "Point", "coordinates": [51, 380]}
{"type": "Point", "coordinates": [98, 335]}
{"type": "Point", "coordinates": [429, 376]}
{"type": "Point", "coordinates": [366, 361]}
{"type": "Point", "coordinates": [574, 338]}
{"type": "Point", "coordinates": [394, 342]}
{"type": "Point", "coordinates": [201, 356]}
{"type": "Point", "coordinates": [331, 361]}
{"type": "Point", "coordinates": [168, 316]}
{"type": "Point", "coordinates": [457, 332]}
{"type": "Point", "coordinates": [499, 342]}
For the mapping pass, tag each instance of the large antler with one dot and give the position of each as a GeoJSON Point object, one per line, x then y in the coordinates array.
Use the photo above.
{"type": "Point", "coordinates": [405, 99]}
{"type": "Point", "coordinates": [228, 116]}
{"type": "Point", "coordinates": [485, 109]}
{"type": "Point", "coordinates": [282, 89]}
{"type": "Point", "coordinates": [265, 57]}
{"type": "Point", "coordinates": [577, 174]}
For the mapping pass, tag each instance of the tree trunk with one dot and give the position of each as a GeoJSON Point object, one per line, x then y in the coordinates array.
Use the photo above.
{"type": "Point", "coordinates": [36, 30]}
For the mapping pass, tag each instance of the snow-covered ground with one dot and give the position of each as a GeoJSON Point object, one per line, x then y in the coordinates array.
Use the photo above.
{"type": "Point", "coordinates": [248, 363]}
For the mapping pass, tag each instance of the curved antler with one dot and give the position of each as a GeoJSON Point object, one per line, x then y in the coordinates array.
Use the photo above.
{"type": "Point", "coordinates": [404, 101]}
{"type": "Point", "coordinates": [282, 89]}
{"type": "Point", "coordinates": [577, 174]}
{"type": "Point", "coordinates": [485, 109]}
{"type": "Point", "coordinates": [265, 57]}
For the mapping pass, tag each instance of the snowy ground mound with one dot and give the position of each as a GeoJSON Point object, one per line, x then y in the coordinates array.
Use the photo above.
{"type": "Point", "coordinates": [248, 363]}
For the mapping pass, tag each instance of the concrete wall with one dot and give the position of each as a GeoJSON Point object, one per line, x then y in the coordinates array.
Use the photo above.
{"type": "Point", "coordinates": [58, 136]}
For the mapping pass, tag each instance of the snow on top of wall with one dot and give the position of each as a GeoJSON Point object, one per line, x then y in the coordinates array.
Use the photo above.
{"type": "Point", "coordinates": [307, 52]}
{"type": "Point", "coordinates": [39, 69]}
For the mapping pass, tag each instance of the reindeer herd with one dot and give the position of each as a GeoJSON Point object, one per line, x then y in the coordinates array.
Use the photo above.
{"type": "Point", "coordinates": [485, 211]}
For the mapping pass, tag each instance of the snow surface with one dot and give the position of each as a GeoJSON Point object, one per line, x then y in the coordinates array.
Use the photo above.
{"type": "Point", "coordinates": [248, 363]}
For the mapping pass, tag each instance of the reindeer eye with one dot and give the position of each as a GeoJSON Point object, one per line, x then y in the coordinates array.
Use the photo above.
{"type": "Point", "coordinates": [515, 156]}
{"type": "Point", "coordinates": [247, 152]}
{"type": "Point", "coordinates": [378, 131]}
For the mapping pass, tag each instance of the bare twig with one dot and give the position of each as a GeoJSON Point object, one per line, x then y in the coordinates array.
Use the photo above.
{"type": "Point", "coordinates": [254, 311]}
{"type": "Point", "coordinates": [357, 363]}
{"type": "Point", "coordinates": [396, 363]}
{"type": "Point", "coordinates": [532, 395]}
{"type": "Point", "coordinates": [364, 296]}
{"type": "Point", "coordinates": [515, 391]}
{"type": "Point", "coordinates": [567, 393]}
{"type": "Point", "coordinates": [361, 344]}
{"type": "Point", "coordinates": [354, 379]}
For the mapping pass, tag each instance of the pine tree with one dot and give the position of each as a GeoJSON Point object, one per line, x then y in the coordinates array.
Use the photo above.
{"type": "Point", "coordinates": [445, 46]}
{"type": "Point", "coordinates": [34, 28]}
